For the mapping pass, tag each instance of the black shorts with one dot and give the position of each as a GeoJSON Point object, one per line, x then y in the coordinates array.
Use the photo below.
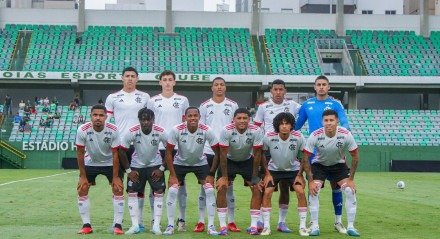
{"type": "Point", "coordinates": [288, 176]}
{"type": "Point", "coordinates": [93, 171]}
{"type": "Point", "coordinates": [201, 172]}
{"type": "Point", "coordinates": [243, 168]}
{"type": "Point", "coordinates": [144, 176]}
{"type": "Point", "coordinates": [210, 159]}
{"type": "Point", "coordinates": [336, 172]}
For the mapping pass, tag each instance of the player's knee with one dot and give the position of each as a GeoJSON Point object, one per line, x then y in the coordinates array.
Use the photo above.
{"type": "Point", "coordinates": [209, 189]}
{"type": "Point", "coordinates": [118, 192]}
{"type": "Point", "coordinates": [299, 192]}
{"type": "Point", "coordinates": [348, 192]}
{"type": "Point", "coordinates": [173, 189]}
{"type": "Point", "coordinates": [83, 192]}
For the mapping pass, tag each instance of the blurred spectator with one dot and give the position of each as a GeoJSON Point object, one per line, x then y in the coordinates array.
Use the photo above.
{"type": "Point", "coordinates": [100, 101]}
{"type": "Point", "coordinates": [76, 99]}
{"type": "Point", "coordinates": [8, 105]}
{"type": "Point", "coordinates": [55, 101]}
{"type": "Point", "coordinates": [17, 118]}
{"type": "Point", "coordinates": [46, 101]}
{"type": "Point", "coordinates": [45, 109]}
{"type": "Point", "coordinates": [73, 105]}
{"type": "Point", "coordinates": [21, 105]}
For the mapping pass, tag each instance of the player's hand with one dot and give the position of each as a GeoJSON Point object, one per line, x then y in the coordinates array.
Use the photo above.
{"type": "Point", "coordinates": [350, 184]}
{"type": "Point", "coordinates": [299, 180]}
{"type": "Point", "coordinates": [172, 180]}
{"type": "Point", "coordinates": [313, 188]}
{"type": "Point", "coordinates": [156, 175]}
{"type": "Point", "coordinates": [117, 185]}
{"type": "Point", "coordinates": [209, 179]}
{"type": "Point", "coordinates": [134, 176]}
{"type": "Point", "coordinates": [222, 183]}
{"type": "Point", "coordinates": [83, 184]}
{"type": "Point", "coordinates": [268, 179]}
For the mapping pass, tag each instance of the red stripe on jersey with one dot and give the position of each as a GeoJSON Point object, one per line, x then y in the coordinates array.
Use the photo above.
{"type": "Point", "coordinates": [252, 126]}
{"type": "Point", "coordinates": [86, 126]}
{"type": "Point", "coordinates": [215, 146]}
{"type": "Point", "coordinates": [354, 150]}
{"type": "Point", "coordinates": [230, 126]}
{"type": "Point", "coordinates": [223, 146]}
{"type": "Point", "coordinates": [170, 145]}
{"type": "Point", "coordinates": [343, 131]}
{"type": "Point", "coordinates": [181, 126]}
{"type": "Point", "coordinates": [206, 102]}
{"type": "Point", "coordinates": [318, 131]}
{"type": "Point", "coordinates": [257, 146]}
{"type": "Point", "coordinates": [135, 128]}
{"type": "Point", "coordinates": [158, 128]}
{"type": "Point", "coordinates": [109, 112]}
{"type": "Point", "coordinates": [295, 133]}
{"type": "Point", "coordinates": [123, 148]}
{"type": "Point", "coordinates": [258, 123]}
{"type": "Point", "coordinates": [268, 134]}
{"type": "Point", "coordinates": [230, 100]}
{"type": "Point", "coordinates": [111, 126]}
{"type": "Point", "coordinates": [307, 152]}
{"type": "Point", "coordinates": [203, 127]}
{"type": "Point", "coordinates": [80, 146]}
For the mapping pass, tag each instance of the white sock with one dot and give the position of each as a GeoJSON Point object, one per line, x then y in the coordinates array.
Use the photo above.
{"type": "Point", "coordinates": [265, 211]}
{"type": "Point", "coordinates": [255, 215]}
{"type": "Point", "coordinates": [302, 212]}
{"type": "Point", "coordinates": [283, 212]}
{"type": "Point", "coordinates": [202, 205]}
{"type": "Point", "coordinates": [151, 199]}
{"type": "Point", "coordinates": [158, 205]}
{"type": "Point", "coordinates": [314, 209]}
{"type": "Point", "coordinates": [221, 212]}
{"type": "Point", "coordinates": [133, 208]}
{"type": "Point", "coordinates": [182, 196]}
{"type": "Point", "coordinates": [338, 219]}
{"type": "Point", "coordinates": [350, 206]}
{"type": "Point", "coordinates": [171, 204]}
{"type": "Point", "coordinates": [210, 203]}
{"type": "Point", "coordinates": [230, 198]}
{"type": "Point", "coordinates": [141, 203]}
{"type": "Point", "coordinates": [84, 208]}
{"type": "Point", "coordinates": [118, 206]}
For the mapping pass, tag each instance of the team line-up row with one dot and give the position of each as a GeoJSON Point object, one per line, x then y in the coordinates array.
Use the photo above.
{"type": "Point", "coordinates": [216, 142]}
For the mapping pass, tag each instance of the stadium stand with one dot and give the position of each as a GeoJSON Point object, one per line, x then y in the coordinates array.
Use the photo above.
{"type": "Point", "coordinates": [397, 53]}
{"type": "Point", "coordinates": [8, 38]}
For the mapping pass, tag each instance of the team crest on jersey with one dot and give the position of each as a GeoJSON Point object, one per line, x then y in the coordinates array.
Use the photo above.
{"type": "Point", "coordinates": [199, 141]}
{"type": "Point", "coordinates": [107, 140]}
{"type": "Point", "coordinates": [227, 111]}
{"type": "Point", "coordinates": [154, 142]}
{"type": "Point", "coordinates": [138, 100]}
{"type": "Point", "coordinates": [249, 141]}
{"type": "Point", "coordinates": [292, 147]}
{"type": "Point", "coordinates": [176, 105]}
{"type": "Point", "coordinates": [339, 144]}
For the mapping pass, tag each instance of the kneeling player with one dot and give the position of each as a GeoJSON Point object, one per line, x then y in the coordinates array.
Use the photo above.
{"type": "Point", "coordinates": [97, 153]}
{"type": "Point", "coordinates": [146, 165]}
{"type": "Point", "coordinates": [284, 146]}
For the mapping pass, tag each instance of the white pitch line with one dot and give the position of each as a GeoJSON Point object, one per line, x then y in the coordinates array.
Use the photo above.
{"type": "Point", "coordinates": [30, 179]}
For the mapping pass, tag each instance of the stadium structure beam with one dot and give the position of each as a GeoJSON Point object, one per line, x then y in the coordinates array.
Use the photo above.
{"type": "Point", "coordinates": [81, 16]}
{"type": "Point", "coordinates": [424, 18]}
{"type": "Point", "coordinates": [169, 17]}
{"type": "Point", "coordinates": [340, 18]}
{"type": "Point", "coordinates": [256, 10]}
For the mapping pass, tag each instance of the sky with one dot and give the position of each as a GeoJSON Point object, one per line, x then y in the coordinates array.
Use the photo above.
{"type": "Point", "coordinates": [210, 5]}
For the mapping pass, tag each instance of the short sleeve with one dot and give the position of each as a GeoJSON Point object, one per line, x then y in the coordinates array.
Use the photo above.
{"type": "Point", "coordinates": [259, 116]}
{"type": "Point", "coordinates": [80, 140]}
{"type": "Point", "coordinates": [258, 140]}
{"type": "Point", "coordinates": [210, 136]}
{"type": "Point", "coordinates": [224, 138]}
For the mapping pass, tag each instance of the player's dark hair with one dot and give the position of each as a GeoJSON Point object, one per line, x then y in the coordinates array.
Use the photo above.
{"type": "Point", "coordinates": [322, 77]}
{"type": "Point", "coordinates": [192, 108]}
{"type": "Point", "coordinates": [130, 68]}
{"type": "Point", "coordinates": [278, 82]}
{"type": "Point", "coordinates": [98, 107]}
{"type": "Point", "coordinates": [218, 78]}
{"type": "Point", "coordinates": [283, 116]}
{"type": "Point", "coordinates": [145, 113]}
{"type": "Point", "coordinates": [242, 111]}
{"type": "Point", "coordinates": [330, 112]}
{"type": "Point", "coordinates": [167, 73]}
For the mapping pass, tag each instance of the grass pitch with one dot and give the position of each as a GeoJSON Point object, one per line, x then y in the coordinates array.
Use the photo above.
{"type": "Point", "coordinates": [42, 204]}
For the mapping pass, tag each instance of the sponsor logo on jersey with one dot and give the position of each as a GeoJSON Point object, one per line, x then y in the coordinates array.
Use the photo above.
{"type": "Point", "coordinates": [286, 110]}
{"type": "Point", "coordinates": [183, 133]}
{"type": "Point", "coordinates": [121, 100]}
{"type": "Point", "coordinates": [274, 140]}
{"type": "Point", "coordinates": [89, 133]}
{"type": "Point", "coordinates": [327, 108]}
{"type": "Point", "coordinates": [211, 113]}
{"type": "Point", "coordinates": [340, 137]}
{"type": "Point", "coordinates": [183, 141]}
{"type": "Point", "coordinates": [159, 106]}
{"type": "Point", "coordinates": [321, 138]}
{"type": "Point", "coordinates": [156, 100]}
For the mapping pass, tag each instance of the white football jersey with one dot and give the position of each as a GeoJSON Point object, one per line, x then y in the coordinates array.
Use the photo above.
{"type": "Point", "coordinates": [217, 116]}
{"type": "Point", "coordinates": [240, 145]}
{"type": "Point", "coordinates": [168, 112]}
{"type": "Point", "coordinates": [98, 145]}
{"type": "Point", "coordinates": [268, 110]}
{"type": "Point", "coordinates": [125, 107]}
{"type": "Point", "coordinates": [330, 151]}
{"type": "Point", "coordinates": [190, 145]}
{"type": "Point", "coordinates": [284, 152]}
{"type": "Point", "coordinates": [146, 147]}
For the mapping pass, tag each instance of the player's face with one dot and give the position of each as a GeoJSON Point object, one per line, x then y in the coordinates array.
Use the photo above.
{"type": "Point", "coordinates": [322, 87]}
{"type": "Point", "coordinates": [218, 88]}
{"type": "Point", "coordinates": [130, 79]}
{"type": "Point", "coordinates": [241, 121]}
{"type": "Point", "coordinates": [167, 82]}
{"type": "Point", "coordinates": [192, 118]}
{"type": "Point", "coordinates": [146, 124]}
{"type": "Point", "coordinates": [285, 127]}
{"type": "Point", "coordinates": [330, 123]}
{"type": "Point", "coordinates": [278, 92]}
{"type": "Point", "coordinates": [98, 117]}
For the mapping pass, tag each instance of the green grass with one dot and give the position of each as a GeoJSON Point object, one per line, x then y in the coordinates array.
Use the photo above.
{"type": "Point", "coordinates": [46, 207]}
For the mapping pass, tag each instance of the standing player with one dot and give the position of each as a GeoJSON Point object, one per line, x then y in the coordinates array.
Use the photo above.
{"type": "Point", "coordinates": [266, 112]}
{"type": "Point", "coordinates": [97, 153]}
{"type": "Point", "coordinates": [330, 143]}
{"type": "Point", "coordinates": [311, 111]}
{"type": "Point", "coordinates": [146, 165]}
{"type": "Point", "coordinates": [169, 109]}
{"type": "Point", "coordinates": [190, 137]}
{"type": "Point", "coordinates": [240, 153]}
{"type": "Point", "coordinates": [123, 105]}
{"type": "Point", "coordinates": [284, 145]}
{"type": "Point", "coordinates": [217, 112]}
